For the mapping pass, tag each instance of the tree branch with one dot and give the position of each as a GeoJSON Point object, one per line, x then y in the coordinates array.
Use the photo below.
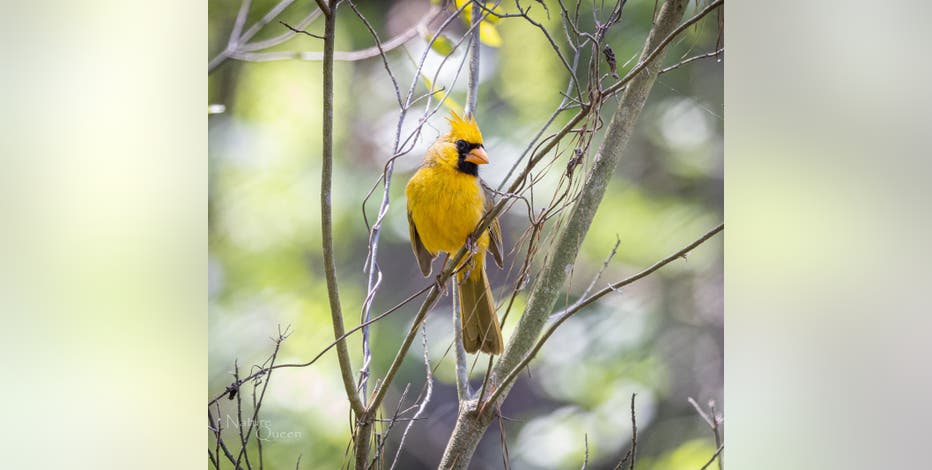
{"type": "Point", "coordinates": [326, 216]}
{"type": "Point", "coordinates": [472, 80]}
{"type": "Point", "coordinates": [343, 56]}
{"type": "Point", "coordinates": [462, 375]}
{"type": "Point", "coordinates": [322, 4]}
{"type": "Point", "coordinates": [471, 423]}
{"type": "Point", "coordinates": [713, 421]}
{"type": "Point", "coordinates": [712, 459]}
{"type": "Point", "coordinates": [563, 316]}
{"type": "Point", "coordinates": [582, 303]}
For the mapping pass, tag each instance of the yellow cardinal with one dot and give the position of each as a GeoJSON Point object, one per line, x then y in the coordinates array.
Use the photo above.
{"type": "Point", "coordinates": [446, 201]}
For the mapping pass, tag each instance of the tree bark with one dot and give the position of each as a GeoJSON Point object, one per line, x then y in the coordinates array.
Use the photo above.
{"type": "Point", "coordinates": [471, 422]}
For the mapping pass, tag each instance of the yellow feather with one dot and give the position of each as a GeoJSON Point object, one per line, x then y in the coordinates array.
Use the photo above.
{"type": "Point", "coordinates": [445, 204]}
{"type": "Point", "coordinates": [465, 129]}
{"type": "Point", "coordinates": [444, 207]}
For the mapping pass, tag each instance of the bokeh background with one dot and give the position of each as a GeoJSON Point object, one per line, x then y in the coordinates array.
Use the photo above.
{"type": "Point", "coordinates": [662, 338]}
{"type": "Point", "coordinates": [103, 246]}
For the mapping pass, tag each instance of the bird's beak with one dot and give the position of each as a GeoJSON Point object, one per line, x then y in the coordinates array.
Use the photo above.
{"type": "Point", "coordinates": [477, 156]}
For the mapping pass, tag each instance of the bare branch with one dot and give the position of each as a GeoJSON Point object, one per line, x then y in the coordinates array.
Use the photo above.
{"type": "Point", "coordinates": [712, 459]}
{"type": "Point", "coordinates": [563, 316]}
{"type": "Point", "coordinates": [462, 375]}
{"type": "Point", "coordinates": [236, 40]}
{"type": "Point", "coordinates": [472, 82]}
{"type": "Point", "coordinates": [632, 451]}
{"type": "Point", "coordinates": [301, 31]}
{"type": "Point", "coordinates": [681, 63]}
{"type": "Point", "coordinates": [232, 388]}
{"type": "Point", "coordinates": [662, 45]}
{"type": "Point", "coordinates": [634, 433]}
{"type": "Point", "coordinates": [603, 268]}
{"type": "Point", "coordinates": [238, 24]}
{"type": "Point", "coordinates": [613, 287]}
{"type": "Point", "coordinates": [239, 422]}
{"type": "Point", "coordinates": [424, 402]}
{"type": "Point", "coordinates": [322, 4]}
{"type": "Point", "coordinates": [326, 223]}
{"type": "Point", "coordinates": [276, 40]}
{"type": "Point", "coordinates": [342, 56]}
{"type": "Point", "coordinates": [713, 420]}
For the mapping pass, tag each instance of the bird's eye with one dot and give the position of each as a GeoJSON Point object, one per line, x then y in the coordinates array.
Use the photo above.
{"type": "Point", "coordinates": [462, 146]}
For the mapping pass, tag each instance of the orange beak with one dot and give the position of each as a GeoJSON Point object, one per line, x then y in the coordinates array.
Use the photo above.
{"type": "Point", "coordinates": [477, 156]}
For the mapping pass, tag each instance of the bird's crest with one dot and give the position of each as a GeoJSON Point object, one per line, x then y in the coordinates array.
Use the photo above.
{"type": "Point", "coordinates": [465, 129]}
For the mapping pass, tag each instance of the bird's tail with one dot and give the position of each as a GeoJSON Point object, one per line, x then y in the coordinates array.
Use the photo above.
{"type": "Point", "coordinates": [481, 331]}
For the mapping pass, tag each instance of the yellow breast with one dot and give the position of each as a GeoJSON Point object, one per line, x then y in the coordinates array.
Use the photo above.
{"type": "Point", "coordinates": [446, 205]}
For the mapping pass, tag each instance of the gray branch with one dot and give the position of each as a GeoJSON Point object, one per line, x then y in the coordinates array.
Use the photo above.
{"type": "Point", "coordinates": [473, 420]}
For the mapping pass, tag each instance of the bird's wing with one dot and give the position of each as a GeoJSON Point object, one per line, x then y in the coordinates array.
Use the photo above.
{"type": "Point", "coordinates": [420, 252]}
{"type": "Point", "coordinates": [496, 246]}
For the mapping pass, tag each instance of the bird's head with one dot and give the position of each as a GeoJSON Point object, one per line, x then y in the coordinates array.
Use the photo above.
{"type": "Point", "coordinates": [462, 148]}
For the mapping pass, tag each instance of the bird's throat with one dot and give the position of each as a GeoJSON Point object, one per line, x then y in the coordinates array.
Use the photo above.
{"type": "Point", "coordinates": [467, 167]}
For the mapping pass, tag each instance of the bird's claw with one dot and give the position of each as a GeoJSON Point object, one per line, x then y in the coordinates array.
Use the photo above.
{"type": "Point", "coordinates": [471, 245]}
{"type": "Point", "coordinates": [440, 285]}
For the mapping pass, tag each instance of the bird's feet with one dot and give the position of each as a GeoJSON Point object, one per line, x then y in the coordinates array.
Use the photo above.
{"type": "Point", "coordinates": [472, 245]}
{"type": "Point", "coordinates": [440, 286]}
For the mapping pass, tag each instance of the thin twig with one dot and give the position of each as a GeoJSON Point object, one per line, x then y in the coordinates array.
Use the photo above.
{"type": "Point", "coordinates": [340, 56]}
{"type": "Point", "coordinates": [235, 41]}
{"type": "Point", "coordinates": [232, 388]}
{"type": "Point", "coordinates": [424, 402]}
{"type": "Point", "coordinates": [560, 318]}
{"type": "Point", "coordinates": [669, 259]}
{"type": "Point", "coordinates": [239, 421]}
{"type": "Point", "coordinates": [634, 433]}
{"type": "Point", "coordinates": [380, 442]}
{"type": "Point", "coordinates": [662, 45]}
{"type": "Point", "coordinates": [255, 406]}
{"type": "Point", "coordinates": [463, 392]}
{"type": "Point", "coordinates": [265, 386]}
{"type": "Point", "coordinates": [300, 31]}
{"type": "Point", "coordinates": [713, 421]}
{"type": "Point", "coordinates": [281, 38]}
{"type": "Point", "coordinates": [712, 459]}
{"type": "Point", "coordinates": [604, 267]}
{"type": "Point", "coordinates": [691, 59]}
{"type": "Point", "coordinates": [715, 431]}
{"type": "Point", "coordinates": [506, 458]}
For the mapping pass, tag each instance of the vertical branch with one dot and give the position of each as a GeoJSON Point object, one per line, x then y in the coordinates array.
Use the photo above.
{"type": "Point", "coordinates": [364, 429]}
{"type": "Point", "coordinates": [243, 440]}
{"type": "Point", "coordinates": [713, 420]}
{"type": "Point", "coordinates": [634, 434]}
{"type": "Point", "coordinates": [472, 80]}
{"type": "Point", "coordinates": [632, 452]}
{"type": "Point", "coordinates": [718, 438]}
{"type": "Point", "coordinates": [472, 92]}
{"type": "Point", "coordinates": [326, 215]}
{"type": "Point", "coordinates": [462, 376]}
{"type": "Point", "coordinates": [424, 402]}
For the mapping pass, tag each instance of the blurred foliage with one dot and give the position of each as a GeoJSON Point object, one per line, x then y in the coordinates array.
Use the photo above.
{"type": "Point", "coordinates": [660, 338]}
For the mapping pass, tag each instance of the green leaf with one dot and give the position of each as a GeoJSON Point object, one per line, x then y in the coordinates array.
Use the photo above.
{"type": "Point", "coordinates": [448, 103]}
{"type": "Point", "coordinates": [488, 34]}
{"type": "Point", "coordinates": [442, 45]}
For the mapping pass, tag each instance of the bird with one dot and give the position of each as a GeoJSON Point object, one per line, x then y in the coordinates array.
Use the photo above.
{"type": "Point", "coordinates": [446, 200]}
